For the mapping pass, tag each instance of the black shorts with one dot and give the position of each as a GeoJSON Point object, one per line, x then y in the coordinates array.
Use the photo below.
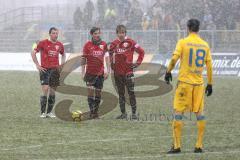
{"type": "Point", "coordinates": [94, 80]}
{"type": "Point", "coordinates": [50, 77]}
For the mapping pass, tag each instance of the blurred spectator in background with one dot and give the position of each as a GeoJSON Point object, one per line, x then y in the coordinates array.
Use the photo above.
{"type": "Point", "coordinates": [122, 9]}
{"type": "Point", "coordinates": [207, 18]}
{"type": "Point", "coordinates": [169, 23]}
{"type": "Point", "coordinates": [157, 15]}
{"type": "Point", "coordinates": [135, 16]}
{"type": "Point", "coordinates": [110, 16]}
{"type": "Point", "coordinates": [162, 14]}
{"type": "Point", "coordinates": [145, 21]}
{"type": "Point", "coordinates": [183, 21]}
{"type": "Point", "coordinates": [211, 26]}
{"type": "Point", "coordinates": [230, 13]}
{"type": "Point", "coordinates": [88, 14]}
{"type": "Point", "coordinates": [101, 6]}
{"type": "Point", "coordinates": [77, 18]}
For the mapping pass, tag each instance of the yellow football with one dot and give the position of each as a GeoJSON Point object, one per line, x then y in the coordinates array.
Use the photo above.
{"type": "Point", "coordinates": [76, 115]}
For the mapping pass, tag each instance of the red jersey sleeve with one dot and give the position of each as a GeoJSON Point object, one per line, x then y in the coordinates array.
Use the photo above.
{"type": "Point", "coordinates": [39, 47]}
{"type": "Point", "coordinates": [111, 51]}
{"type": "Point", "coordinates": [106, 52]}
{"type": "Point", "coordinates": [105, 47]}
{"type": "Point", "coordinates": [85, 50]}
{"type": "Point", "coordinates": [112, 47]}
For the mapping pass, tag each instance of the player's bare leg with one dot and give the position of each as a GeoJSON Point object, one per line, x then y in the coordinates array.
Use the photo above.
{"type": "Point", "coordinates": [43, 100]}
{"type": "Point", "coordinates": [201, 124]}
{"type": "Point", "coordinates": [177, 125]}
{"type": "Point", "coordinates": [51, 102]}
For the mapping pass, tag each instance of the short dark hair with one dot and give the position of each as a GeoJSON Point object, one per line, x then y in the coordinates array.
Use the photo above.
{"type": "Point", "coordinates": [51, 29]}
{"type": "Point", "coordinates": [121, 28]}
{"type": "Point", "coordinates": [193, 25]}
{"type": "Point", "coordinates": [94, 29]}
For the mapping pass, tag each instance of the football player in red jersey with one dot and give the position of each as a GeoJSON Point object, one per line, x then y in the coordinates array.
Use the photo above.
{"type": "Point", "coordinates": [95, 52]}
{"type": "Point", "coordinates": [121, 54]}
{"type": "Point", "coordinates": [49, 50]}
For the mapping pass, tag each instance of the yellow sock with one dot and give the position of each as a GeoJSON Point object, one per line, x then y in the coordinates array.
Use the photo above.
{"type": "Point", "coordinates": [201, 128]}
{"type": "Point", "coordinates": [177, 131]}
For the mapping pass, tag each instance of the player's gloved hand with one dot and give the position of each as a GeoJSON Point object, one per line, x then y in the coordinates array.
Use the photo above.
{"type": "Point", "coordinates": [134, 66]}
{"type": "Point", "coordinates": [109, 48]}
{"type": "Point", "coordinates": [41, 69]}
{"type": "Point", "coordinates": [105, 75]}
{"type": "Point", "coordinates": [208, 90]}
{"type": "Point", "coordinates": [83, 75]}
{"type": "Point", "coordinates": [60, 67]}
{"type": "Point", "coordinates": [168, 77]}
{"type": "Point", "coordinates": [113, 66]}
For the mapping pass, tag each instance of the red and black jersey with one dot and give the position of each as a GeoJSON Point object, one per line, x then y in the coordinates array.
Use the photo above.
{"type": "Point", "coordinates": [121, 54]}
{"type": "Point", "coordinates": [50, 53]}
{"type": "Point", "coordinates": [94, 55]}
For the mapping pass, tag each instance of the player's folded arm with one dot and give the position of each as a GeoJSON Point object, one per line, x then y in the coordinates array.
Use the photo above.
{"type": "Point", "coordinates": [141, 53]}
